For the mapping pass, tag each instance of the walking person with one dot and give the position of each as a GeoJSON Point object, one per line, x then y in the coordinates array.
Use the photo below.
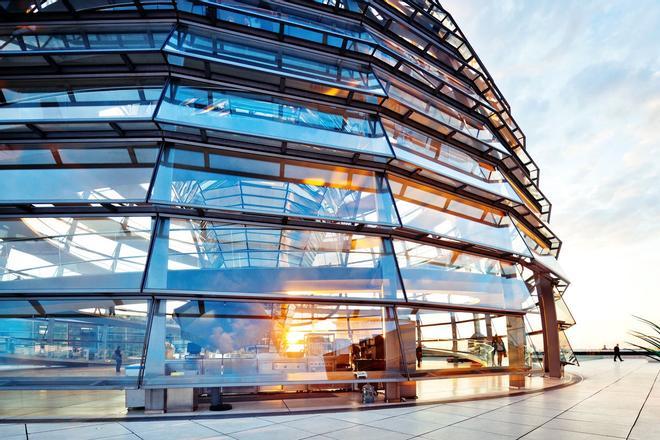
{"type": "Point", "coordinates": [117, 355]}
{"type": "Point", "coordinates": [617, 353]}
{"type": "Point", "coordinates": [418, 355]}
{"type": "Point", "coordinates": [500, 349]}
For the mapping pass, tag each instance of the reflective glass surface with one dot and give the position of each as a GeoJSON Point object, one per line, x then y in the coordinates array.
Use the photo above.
{"type": "Point", "coordinates": [55, 102]}
{"type": "Point", "coordinates": [48, 344]}
{"type": "Point", "coordinates": [566, 354]}
{"type": "Point", "coordinates": [244, 52]}
{"type": "Point", "coordinates": [427, 107]}
{"type": "Point", "coordinates": [270, 185]}
{"type": "Point", "coordinates": [460, 341]}
{"type": "Point", "coordinates": [445, 214]}
{"type": "Point", "coordinates": [37, 38]}
{"type": "Point", "coordinates": [271, 117]}
{"type": "Point", "coordinates": [439, 275]}
{"type": "Point", "coordinates": [431, 154]}
{"type": "Point", "coordinates": [77, 173]}
{"type": "Point", "coordinates": [244, 260]}
{"type": "Point", "coordinates": [73, 254]}
{"type": "Point", "coordinates": [291, 21]}
{"type": "Point", "coordinates": [248, 343]}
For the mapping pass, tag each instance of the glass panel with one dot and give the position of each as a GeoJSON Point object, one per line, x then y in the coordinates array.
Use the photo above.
{"type": "Point", "coordinates": [439, 275]}
{"type": "Point", "coordinates": [564, 315]}
{"type": "Point", "coordinates": [431, 154]}
{"type": "Point", "coordinates": [80, 254]}
{"type": "Point", "coordinates": [459, 341]}
{"type": "Point", "coordinates": [234, 50]}
{"type": "Point", "coordinates": [202, 343]}
{"type": "Point", "coordinates": [244, 260]}
{"type": "Point", "coordinates": [440, 112]}
{"type": "Point", "coordinates": [279, 186]}
{"type": "Point", "coordinates": [80, 38]}
{"type": "Point", "coordinates": [82, 343]}
{"type": "Point", "coordinates": [53, 174]}
{"type": "Point", "coordinates": [447, 215]}
{"type": "Point", "coordinates": [263, 115]}
{"type": "Point", "coordinates": [566, 354]}
{"type": "Point", "coordinates": [56, 102]}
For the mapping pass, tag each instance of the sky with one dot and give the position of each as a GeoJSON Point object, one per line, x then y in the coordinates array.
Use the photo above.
{"type": "Point", "coordinates": [583, 81]}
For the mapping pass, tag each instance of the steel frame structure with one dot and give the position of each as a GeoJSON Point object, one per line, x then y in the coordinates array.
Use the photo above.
{"type": "Point", "coordinates": [432, 86]}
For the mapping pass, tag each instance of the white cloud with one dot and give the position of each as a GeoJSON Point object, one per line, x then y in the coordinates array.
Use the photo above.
{"type": "Point", "coordinates": [582, 80]}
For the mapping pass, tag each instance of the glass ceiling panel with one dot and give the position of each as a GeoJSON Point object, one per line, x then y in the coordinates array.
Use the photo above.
{"type": "Point", "coordinates": [44, 39]}
{"type": "Point", "coordinates": [244, 52]}
{"type": "Point", "coordinates": [57, 344]}
{"type": "Point", "coordinates": [233, 259]}
{"type": "Point", "coordinates": [75, 173]}
{"type": "Point", "coordinates": [249, 183]}
{"type": "Point", "coordinates": [271, 117]}
{"type": "Point", "coordinates": [444, 276]}
{"type": "Point", "coordinates": [73, 254]}
{"type": "Point", "coordinates": [437, 212]}
{"type": "Point", "coordinates": [58, 101]}
{"type": "Point", "coordinates": [431, 154]}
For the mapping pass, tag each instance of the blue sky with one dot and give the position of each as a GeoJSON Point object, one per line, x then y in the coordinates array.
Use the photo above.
{"type": "Point", "coordinates": [583, 81]}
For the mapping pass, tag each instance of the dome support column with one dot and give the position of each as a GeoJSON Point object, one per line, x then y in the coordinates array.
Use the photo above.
{"type": "Point", "coordinates": [551, 357]}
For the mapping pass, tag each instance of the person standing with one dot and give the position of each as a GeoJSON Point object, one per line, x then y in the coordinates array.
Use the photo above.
{"type": "Point", "coordinates": [617, 353]}
{"type": "Point", "coordinates": [500, 349]}
{"type": "Point", "coordinates": [418, 355]}
{"type": "Point", "coordinates": [117, 355]}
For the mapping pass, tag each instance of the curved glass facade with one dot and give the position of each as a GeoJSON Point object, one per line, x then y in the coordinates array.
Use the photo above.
{"type": "Point", "coordinates": [259, 194]}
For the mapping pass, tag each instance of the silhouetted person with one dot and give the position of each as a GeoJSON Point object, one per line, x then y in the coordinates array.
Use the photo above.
{"type": "Point", "coordinates": [617, 353]}
{"type": "Point", "coordinates": [418, 355]}
{"type": "Point", "coordinates": [117, 355]}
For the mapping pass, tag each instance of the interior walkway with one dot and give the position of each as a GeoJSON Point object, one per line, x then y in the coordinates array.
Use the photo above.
{"type": "Point", "coordinates": [613, 401]}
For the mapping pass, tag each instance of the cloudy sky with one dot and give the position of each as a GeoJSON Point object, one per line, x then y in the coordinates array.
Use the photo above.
{"type": "Point", "coordinates": [583, 81]}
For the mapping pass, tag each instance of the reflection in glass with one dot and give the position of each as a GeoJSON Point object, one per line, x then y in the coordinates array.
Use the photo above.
{"type": "Point", "coordinates": [446, 214]}
{"type": "Point", "coordinates": [82, 38]}
{"type": "Point", "coordinates": [437, 340]}
{"type": "Point", "coordinates": [240, 51]}
{"type": "Point", "coordinates": [86, 343]}
{"type": "Point", "coordinates": [445, 276]}
{"type": "Point", "coordinates": [426, 107]}
{"type": "Point", "coordinates": [566, 354]}
{"type": "Point", "coordinates": [431, 154]}
{"type": "Point", "coordinates": [54, 174]}
{"type": "Point", "coordinates": [236, 259]}
{"type": "Point", "coordinates": [73, 254]}
{"type": "Point", "coordinates": [271, 185]}
{"type": "Point", "coordinates": [271, 117]}
{"type": "Point", "coordinates": [57, 102]}
{"type": "Point", "coordinates": [252, 343]}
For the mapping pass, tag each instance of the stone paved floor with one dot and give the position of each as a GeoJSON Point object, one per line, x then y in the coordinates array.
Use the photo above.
{"type": "Point", "coordinates": [613, 401]}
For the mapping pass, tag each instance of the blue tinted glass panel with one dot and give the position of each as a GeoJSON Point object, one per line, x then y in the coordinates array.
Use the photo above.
{"type": "Point", "coordinates": [430, 210]}
{"type": "Point", "coordinates": [206, 343]}
{"type": "Point", "coordinates": [37, 39]}
{"type": "Point", "coordinates": [277, 186]}
{"type": "Point", "coordinates": [84, 343]}
{"type": "Point", "coordinates": [55, 175]}
{"type": "Point", "coordinates": [445, 276]}
{"type": "Point", "coordinates": [241, 51]}
{"type": "Point", "coordinates": [73, 254]}
{"type": "Point", "coordinates": [267, 116]}
{"type": "Point", "coordinates": [54, 103]}
{"type": "Point", "coordinates": [230, 259]}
